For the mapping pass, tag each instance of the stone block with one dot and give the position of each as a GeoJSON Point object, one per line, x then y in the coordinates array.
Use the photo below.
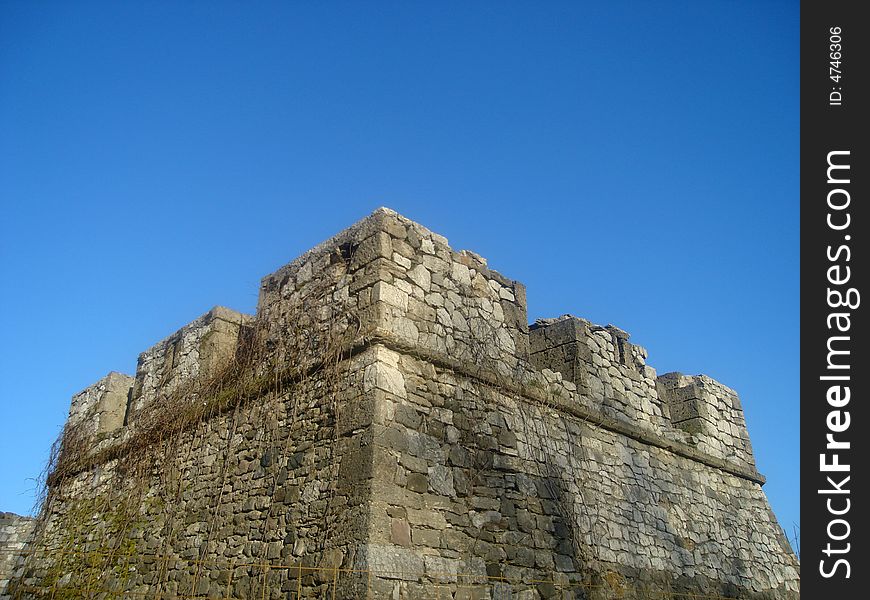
{"type": "Point", "coordinates": [394, 562]}
{"type": "Point", "coordinates": [390, 294]}
{"type": "Point", "coordinates": [441, 480]}
{"type": "Point", "coordinates": [378, 245]}
{"type": "Point", "coordinates": [400, 532]}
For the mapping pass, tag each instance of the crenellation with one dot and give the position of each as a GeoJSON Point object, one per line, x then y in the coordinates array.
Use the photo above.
{"type": "Point", "coordinates": [200, 348]}
{"type": "Point", "coordinates": [99, 409]}
{"type": "Point", "coordinates": [612, 373]}
{"type": "Point", "coordinates": [406, 434]}
{"type": "Point", "coordinates": [607, 369]}
{"type": "Point", "coordinates": [711, 413]}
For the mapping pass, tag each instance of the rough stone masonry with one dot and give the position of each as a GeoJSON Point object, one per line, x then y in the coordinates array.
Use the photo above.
{"type": "Point", "coordinates": [401, 432]}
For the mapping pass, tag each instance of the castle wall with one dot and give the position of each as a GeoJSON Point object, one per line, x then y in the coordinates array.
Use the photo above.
{"type": "Point", "coordinates": [388, 426]}
{"type": "Point", "coordinates": [612, 378]}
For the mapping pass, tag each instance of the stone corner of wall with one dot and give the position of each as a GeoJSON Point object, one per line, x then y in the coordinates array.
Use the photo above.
{"type": "Point", "coordinates": [116, 378]}
{"type": "Point", "coordinates": [387, 274]}
{"type": "Point", "coordinates": [109, 380]}
{"type": "Point", "coordinates": [711, 413]}
{"type": "Point", "coordinates": [676, 386]}
{"type": "Point", "coordinates": [100, 408]}
{"type": "Point", "coordinates": [347, 239]}
{"type": "Point", "coordinates": [200, 347]}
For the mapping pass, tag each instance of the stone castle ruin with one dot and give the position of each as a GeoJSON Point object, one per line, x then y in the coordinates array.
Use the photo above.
{"type": "Point", "coordinates": [388, 425]}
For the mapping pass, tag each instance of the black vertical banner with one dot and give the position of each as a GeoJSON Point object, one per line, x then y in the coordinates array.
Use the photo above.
{"type": "Point", "coordinates": [835, 371]}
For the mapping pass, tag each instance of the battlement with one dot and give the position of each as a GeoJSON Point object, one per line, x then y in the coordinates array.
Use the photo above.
{"type": "Point", "coordinates": [389, 279]}
{"type": "Point", "coordinates": [199, 349]}
{"type": "Point", "coordinates": [15, 532]}
{"type": "Point", "coordinates": [107, 410]}
{"type": "Point", "coordinates": [100, 408]}
{"type": "Point", "coordinates": [603, 365]}
{"type": "Point", "coordinates": [711, 413]}
{"type": "Point", "coordinates": [613, 375]}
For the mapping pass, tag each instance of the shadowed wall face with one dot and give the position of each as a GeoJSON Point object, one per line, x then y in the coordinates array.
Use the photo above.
{"type": "Point", "coordinates": [477, 481]}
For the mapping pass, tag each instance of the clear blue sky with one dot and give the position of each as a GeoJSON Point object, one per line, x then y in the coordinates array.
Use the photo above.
{"type": "Point", "coordinates": [634, 163]}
